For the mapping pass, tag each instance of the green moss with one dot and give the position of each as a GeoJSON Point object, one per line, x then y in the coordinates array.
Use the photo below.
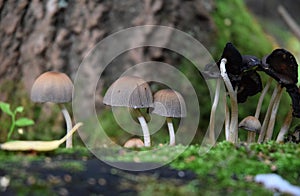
{"type": "Point", "coordinates": [235, 24]}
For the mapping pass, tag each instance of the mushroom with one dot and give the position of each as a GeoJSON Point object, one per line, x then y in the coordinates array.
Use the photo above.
{"type": "Point", "coordinates": [170, 104]}
{"type": "Point", "coordinates": [211, 73]}
{"type": "Point", "coordinates": [54, 87]}
{"type": "Point", "coordinates": [230, 67]}
{"type": "Point", "coordinates": [132, 92]}
{"type": "Point", "coordinates": [282, 66]}
{"type": "Point", "coordinates": [134, 143]}
{"type": "Point", "coordinates": [252, 125]}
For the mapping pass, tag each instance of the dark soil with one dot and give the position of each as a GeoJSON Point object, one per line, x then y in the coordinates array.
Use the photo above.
{"type": "Point", "coordinates": [65, 176]}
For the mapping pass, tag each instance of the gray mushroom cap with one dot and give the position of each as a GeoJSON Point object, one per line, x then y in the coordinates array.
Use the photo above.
{"type": "Point", "coordinates": [250, 123]}
{"type": "Point", "coordinates": [169, 103]}
{"type": "Point", "coordinates": [53, 87]}
{"type": "Point", "coordinates": [129, 91]}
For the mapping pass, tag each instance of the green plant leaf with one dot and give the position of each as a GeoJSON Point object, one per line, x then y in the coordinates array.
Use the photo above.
{"type": "Point", "coordinates": [19, 109]}
{"type": "Point", "coordinates": [24, 122]}
{"type": "Point", "coordinates": [5, 107]}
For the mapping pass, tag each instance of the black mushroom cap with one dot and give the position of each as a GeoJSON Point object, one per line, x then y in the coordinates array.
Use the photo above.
{"type": "Point", "coordinates": [294, 93]}
{"type": "Point", "coordinates": [250, 62]}
{"type": "Point", "coordinates": [241, 70]}
{"type": "Point", "coordinates": [234, 60]}
{"type": "Point", "coordinates": [282, 66]}
{"type": "Point", "coordinates": [249, 85]}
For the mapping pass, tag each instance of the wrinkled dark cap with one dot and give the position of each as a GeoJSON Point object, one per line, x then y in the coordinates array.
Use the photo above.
{"type": "Point", "coordinates": [250, 62]}
{"type": "Point", "coordinates": [282, 66]}
{"type": "Point", "coordinates": [249, 85]}
{"type": "Point", "coordinates": [294, 93]}
{"type": "Point", "coordinates": [234, 60]}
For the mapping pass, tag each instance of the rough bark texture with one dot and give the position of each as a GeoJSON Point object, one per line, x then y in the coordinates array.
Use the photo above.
{"type": "Point", "coordinates": [37, 36]}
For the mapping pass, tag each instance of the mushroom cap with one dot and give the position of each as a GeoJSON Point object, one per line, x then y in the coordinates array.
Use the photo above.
{"type": "Point", "coordinates": [129, 91]}
{"type": "Point", "coordinates": [250, 123]}
{"type": "Point", "coordinates": [250, 62]}
{"type": "Point", "coordinates": [134, 143]}
{"type": "Point", "coordinates": [169, 103]}
{"type": "Point", "coordinates": [282, 66]}
{"type": "Point", "coordinates": [249, 85]}
{"type": "Point", "coordinates": [234, 60]}
{"type": "Point", "coordinates": [53, 87]}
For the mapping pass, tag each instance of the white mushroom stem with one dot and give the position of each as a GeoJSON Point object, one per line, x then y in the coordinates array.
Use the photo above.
{"type": "Point", "coordinates": [145, 131]}
{"type": "Point", "coordinates": [227, 119]}
{"type": "Point", "coordinates": [267, 116]}
{"type": "Point", "coordinates": [68, 124]}
{"type": "Point", "coordinates": [171, 131]}
{"type": "Point", "coordinates": [213, 113]}
{"type": "Point", "coordinates": [270, 129]}
{"type": "Point", "coordinates": [233, 132]}
{"type": "Point", "coordinates": [286, 125]}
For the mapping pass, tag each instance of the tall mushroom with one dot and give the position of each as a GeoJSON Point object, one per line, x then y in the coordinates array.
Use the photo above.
{"type": "Point", "coordinates": [282, 66]}
{"type": "Point", "coordinates": [132, 92]}
{"type": "Point", "coordinates": [170, 104]}
{"type": "Point", "coordinates": [54, 87]}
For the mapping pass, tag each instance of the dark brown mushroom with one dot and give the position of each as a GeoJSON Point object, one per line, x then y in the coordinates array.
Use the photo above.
{"type": "Point", "coordinates": [170, 104]}
{"type": "Point", "coordinates": [132, 92]}
{"type": "Point", "coordinates": [54, 87]}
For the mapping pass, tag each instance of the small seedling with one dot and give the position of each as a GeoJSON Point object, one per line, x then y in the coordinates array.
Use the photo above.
{"type": "Point", "coordinates": [21, 122]}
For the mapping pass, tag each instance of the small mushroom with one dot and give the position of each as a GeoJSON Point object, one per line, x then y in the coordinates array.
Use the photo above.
{"type": "Point", "coordinates": [252, 125]}
{"type": "Point", "coordinates": [170, 104]}
{"type": "Point", "coordinates": [54, 87]}
{"type": "Point", "coordinates": [134, 143]}
{"type": "Point", "coordinates": [132, 92]}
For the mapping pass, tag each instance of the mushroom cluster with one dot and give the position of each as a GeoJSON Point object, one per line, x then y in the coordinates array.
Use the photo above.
{"type": "Point", "coordinates": [241, 78]}
{"type": "Point", "coordinates": [135, 93]}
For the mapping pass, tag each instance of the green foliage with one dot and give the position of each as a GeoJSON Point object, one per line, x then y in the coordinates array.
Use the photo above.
{"type": "Point", "coordinates": [20, 122]}
{"type": "Point", "coordinates": [235, 24]}
{"type": "Point", "coordinates": [225, 168]}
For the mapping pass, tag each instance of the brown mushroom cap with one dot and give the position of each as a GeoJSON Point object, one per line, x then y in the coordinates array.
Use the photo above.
{"type": "Point", "coordinates": [53, 87]}
{"type": "Point", "coordinates": [129, 91]}
{"type": "Point", "coordinates": [169, 103]}
{"type": "Point", "coordinates": [250, 123]}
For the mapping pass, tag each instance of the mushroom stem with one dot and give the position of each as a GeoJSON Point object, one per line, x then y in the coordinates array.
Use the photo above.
{"type": "Point", "coordinates": [68, 124]}
{"type": "Point", "coordinates": [262, 96]}
{"type": "Point", "coordinates": [171, 131]}
{"type": "Point", "coordinates": [267, 116]}
{"type": "Point", "coordinates": [233, 132]}
{"type": "Point", "coordinates": [251, 137]}
{"type": "Point", "coordinates": [145, 129]}
{"type": "Point", "coordinates": [227, 119]}
{"type": "Point", "coordinates": [273, 114]}
{"type": "Point", "coordinates": [285, 127]}
{"type": "Point", "coordinates": [213, 112]}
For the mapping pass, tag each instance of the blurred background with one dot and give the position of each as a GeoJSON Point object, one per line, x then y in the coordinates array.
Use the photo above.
{"type": "Point", "coordinates": [38, 36]}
